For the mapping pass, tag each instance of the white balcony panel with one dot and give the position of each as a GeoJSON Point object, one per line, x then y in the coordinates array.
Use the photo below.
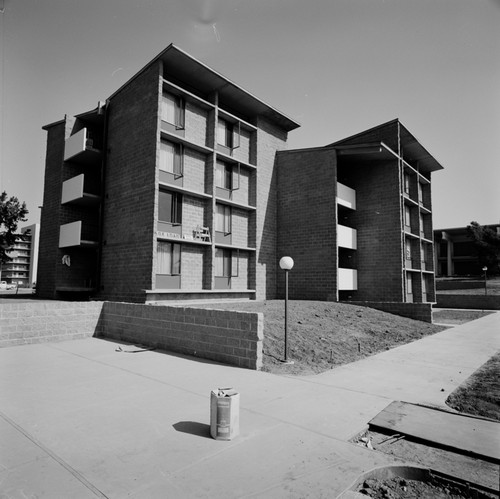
{"type": "Point", "coordinates": [75, 144]}
{"type": "Point", "coordinates": [347, 237]}
{"type": "Point", "coordinates": [346, 196]}
{"type": "Point", "coordinates": [72, 189]}
{"type": "Point", "coordinates": [70, 234]}
{"type": "Point", "coordinates": [347, 279]}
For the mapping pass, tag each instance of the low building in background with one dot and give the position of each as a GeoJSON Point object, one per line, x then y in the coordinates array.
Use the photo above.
{"type": "Point", "coordinates": [455, 253]}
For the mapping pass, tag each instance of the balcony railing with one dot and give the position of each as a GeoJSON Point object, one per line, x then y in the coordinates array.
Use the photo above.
{"type": "Point", "coordinates": [347, 279]}
{"type": "Point", "coordinates": [346, 196]}
{"type": "Point", "coordinates": [80, 148]}
{"type": "Point", "coordinates": [73, 191]}
{"type": "Point", "coordinates": [346, 237]}
{"type": "Point", "coordinates": [71, 235]}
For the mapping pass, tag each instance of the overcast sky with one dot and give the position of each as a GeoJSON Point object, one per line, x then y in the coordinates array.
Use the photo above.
{"type": "Point", "coordinates": [337, 67]}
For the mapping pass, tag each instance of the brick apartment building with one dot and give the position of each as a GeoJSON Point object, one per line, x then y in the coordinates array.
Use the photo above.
{"type": "Point", "coordinates": [179, 187]}
{"type": "Point", "coordinates": [22, 269]}
{"type": "Point", "coordinates": [356, 216]}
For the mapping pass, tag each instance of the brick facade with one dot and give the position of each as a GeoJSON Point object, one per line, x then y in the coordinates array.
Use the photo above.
{"type": "Point", "coordinates": [138, 158]}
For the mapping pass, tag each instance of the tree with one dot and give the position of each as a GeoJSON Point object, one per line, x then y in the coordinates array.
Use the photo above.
{"type": "Point", "coordinates": [12, 211]}
{"type": "Point", "coordinates": [487, 246]}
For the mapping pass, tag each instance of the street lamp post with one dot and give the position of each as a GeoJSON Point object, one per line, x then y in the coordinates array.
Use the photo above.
{"type": "Point", "coordinates": [485, 285]}
{"type": "Point", "coordinates": [286, 264]}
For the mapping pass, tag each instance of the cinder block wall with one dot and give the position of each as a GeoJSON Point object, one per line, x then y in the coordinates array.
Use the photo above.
{"type": "Point", "coordinates": [130, 194]}
{"type": "Point", "coordinates": [307, 214]}
{"type": "Point", "coordinates": [417, 311]}
{"type": "Point", "coordinates": [479, 302]}
{"type": "Point", "coordinates": [270, 139]}
{"type": "Point", "coordinates": [222, 335]}
{"type": "Point", "coordinates": [25, 323]}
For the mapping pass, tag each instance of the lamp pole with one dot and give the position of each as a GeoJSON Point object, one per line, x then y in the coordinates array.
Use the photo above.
{"type": "Point", "coordinates": [286, 264]}
{"type": "Point", "coordinates": [485, 285]}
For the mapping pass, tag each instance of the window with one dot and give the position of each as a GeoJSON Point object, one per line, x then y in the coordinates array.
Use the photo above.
{"type": "Point", "coordinates": [408, 250]}
{"type": "Point", "coordinates": [168, 258]}
{"type": "Point", "coordinates": [407, 216]}
{"type": "Point", "coordinates": [223, 175]}
{"type": "Point", "coordinates": [170, 207]}
{"type": "Point", "coordinates": [222, 262]}
{"type": "Point", "coordinates": [422, 226]}
{"type": "Point", "coordinates": [420, 193]}
{"type": "Point", "coordinates": [409, 284]}
{"type": "Point", "coordinates": [172, 110]}
{"type": "Point", "coordinates": [223, 218]}
{"type": "Point", "coordinates": [407, 183]}
{"type": "Point", "coordinates": [171, 158]}
{"type": "Point", "coordinates": [225, 133]}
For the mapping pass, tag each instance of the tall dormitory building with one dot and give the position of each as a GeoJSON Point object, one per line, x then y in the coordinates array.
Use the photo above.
{"type": "Point", "coordinates": [179, 187]}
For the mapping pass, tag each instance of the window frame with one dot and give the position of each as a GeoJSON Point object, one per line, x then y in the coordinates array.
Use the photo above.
{"type": "Point", "coordinates": [175, 264]}
{"type": "Point", "coordinates": [177, 158]}
{"type": "Point", "coordinates": [225, 216]}
{"type": "Point", "coordinates": [176, 204]}
{"type": "Point", "coordinates": [178, 107]}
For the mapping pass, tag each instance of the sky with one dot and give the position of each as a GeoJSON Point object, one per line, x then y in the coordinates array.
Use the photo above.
{"type": "Point", "coordinates": [338, 67]}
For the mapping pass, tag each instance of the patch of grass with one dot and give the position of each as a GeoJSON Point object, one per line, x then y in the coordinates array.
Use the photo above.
{"type": "Point", "coordinates": [479, 395]}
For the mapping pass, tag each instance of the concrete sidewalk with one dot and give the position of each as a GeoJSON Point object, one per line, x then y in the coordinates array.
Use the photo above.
{"type": "Point", "coordinates": [79, 419]}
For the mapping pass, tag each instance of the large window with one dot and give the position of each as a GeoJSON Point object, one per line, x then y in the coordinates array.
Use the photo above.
{"type": "Point", "coordinates": [223, 263]}
{"type": "Point", "coordinates": [170, 207]}
{"type": "Point", "coordinates": [407, 216]}
{"type": "Point", "coordinates": [223, 218]}
{"type": "Point", "coordinates": [168, 258]}
{"type": "Point", "coordinates": [223, 175]}
{"type": "Point", "coordinates": [225, 133]}
{"type": "Point", "coordinates": [172, 110]}
{"type": "Point", "coordinates": [171, 157]}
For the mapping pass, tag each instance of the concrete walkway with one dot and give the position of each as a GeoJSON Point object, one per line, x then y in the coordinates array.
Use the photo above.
{"type": "Point", "coordinates": [79, 419]}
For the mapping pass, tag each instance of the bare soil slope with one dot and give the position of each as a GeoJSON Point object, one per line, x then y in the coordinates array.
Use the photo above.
{"type": "Point", "coordinates": [322, 335]}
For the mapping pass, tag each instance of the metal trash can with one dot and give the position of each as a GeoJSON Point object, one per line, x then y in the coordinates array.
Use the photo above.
{"type": "Point", "coordinates": [224, 413]}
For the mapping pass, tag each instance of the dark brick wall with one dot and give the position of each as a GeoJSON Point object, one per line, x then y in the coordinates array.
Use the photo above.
{"type": "Point", "coordinates": [130, 189]}
{"type": "Point", "coordinates": [377, 220]}
{"type": "Point", "coordinates": [49, 256]}
{"type": "Point", "coordinates": [307, 214]}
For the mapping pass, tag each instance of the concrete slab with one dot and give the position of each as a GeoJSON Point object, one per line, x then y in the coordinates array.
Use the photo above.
{"type": "Point", "coordinates": [80, 419]}
{"type": "Point", "coordinates": [468, 435]}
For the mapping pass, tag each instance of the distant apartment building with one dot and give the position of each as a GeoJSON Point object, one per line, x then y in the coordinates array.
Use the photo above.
{"type": "Point", "coordinates": [179, 187]}
{"type": "Point", "coordinates": [22, 269]}
{"type": "Point", "coordinates": [455, 253]}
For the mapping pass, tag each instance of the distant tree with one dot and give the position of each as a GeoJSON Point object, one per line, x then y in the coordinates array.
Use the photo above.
{"type": "Point", "coordinates": [12, 211]}
{"type": "Point", "coordinates": [487, 246]}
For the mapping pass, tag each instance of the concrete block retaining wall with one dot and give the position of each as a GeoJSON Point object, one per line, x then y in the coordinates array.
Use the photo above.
{"type": "Point", "coordinates": [417, 311]}
{"type": "Point", "coordinates": [222, 335]}
{"type": "Point", "coordinates": [479, 302]}
{"type": "Point", "coordinates": [226, 336]}
{"type": "Point", "coordinates": [24, 323]}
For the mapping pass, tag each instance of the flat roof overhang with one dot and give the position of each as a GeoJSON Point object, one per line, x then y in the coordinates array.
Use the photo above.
{"type": "Point", "coordinates": [204, 81]}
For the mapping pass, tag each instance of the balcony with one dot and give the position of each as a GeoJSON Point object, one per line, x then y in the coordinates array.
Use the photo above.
{"type": "Point", "coordinates": [73, 191]}
{"type": "Point", "coordinates": [347, 279]}
{"type": "Point", "coordinates": [346, 196]}
{"type": "Point", "coordinates": [80, 148]}
{"type": "Point", "coordinates": [346, 237]}
{"type": "Point", "coordinates": [70, 235]}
